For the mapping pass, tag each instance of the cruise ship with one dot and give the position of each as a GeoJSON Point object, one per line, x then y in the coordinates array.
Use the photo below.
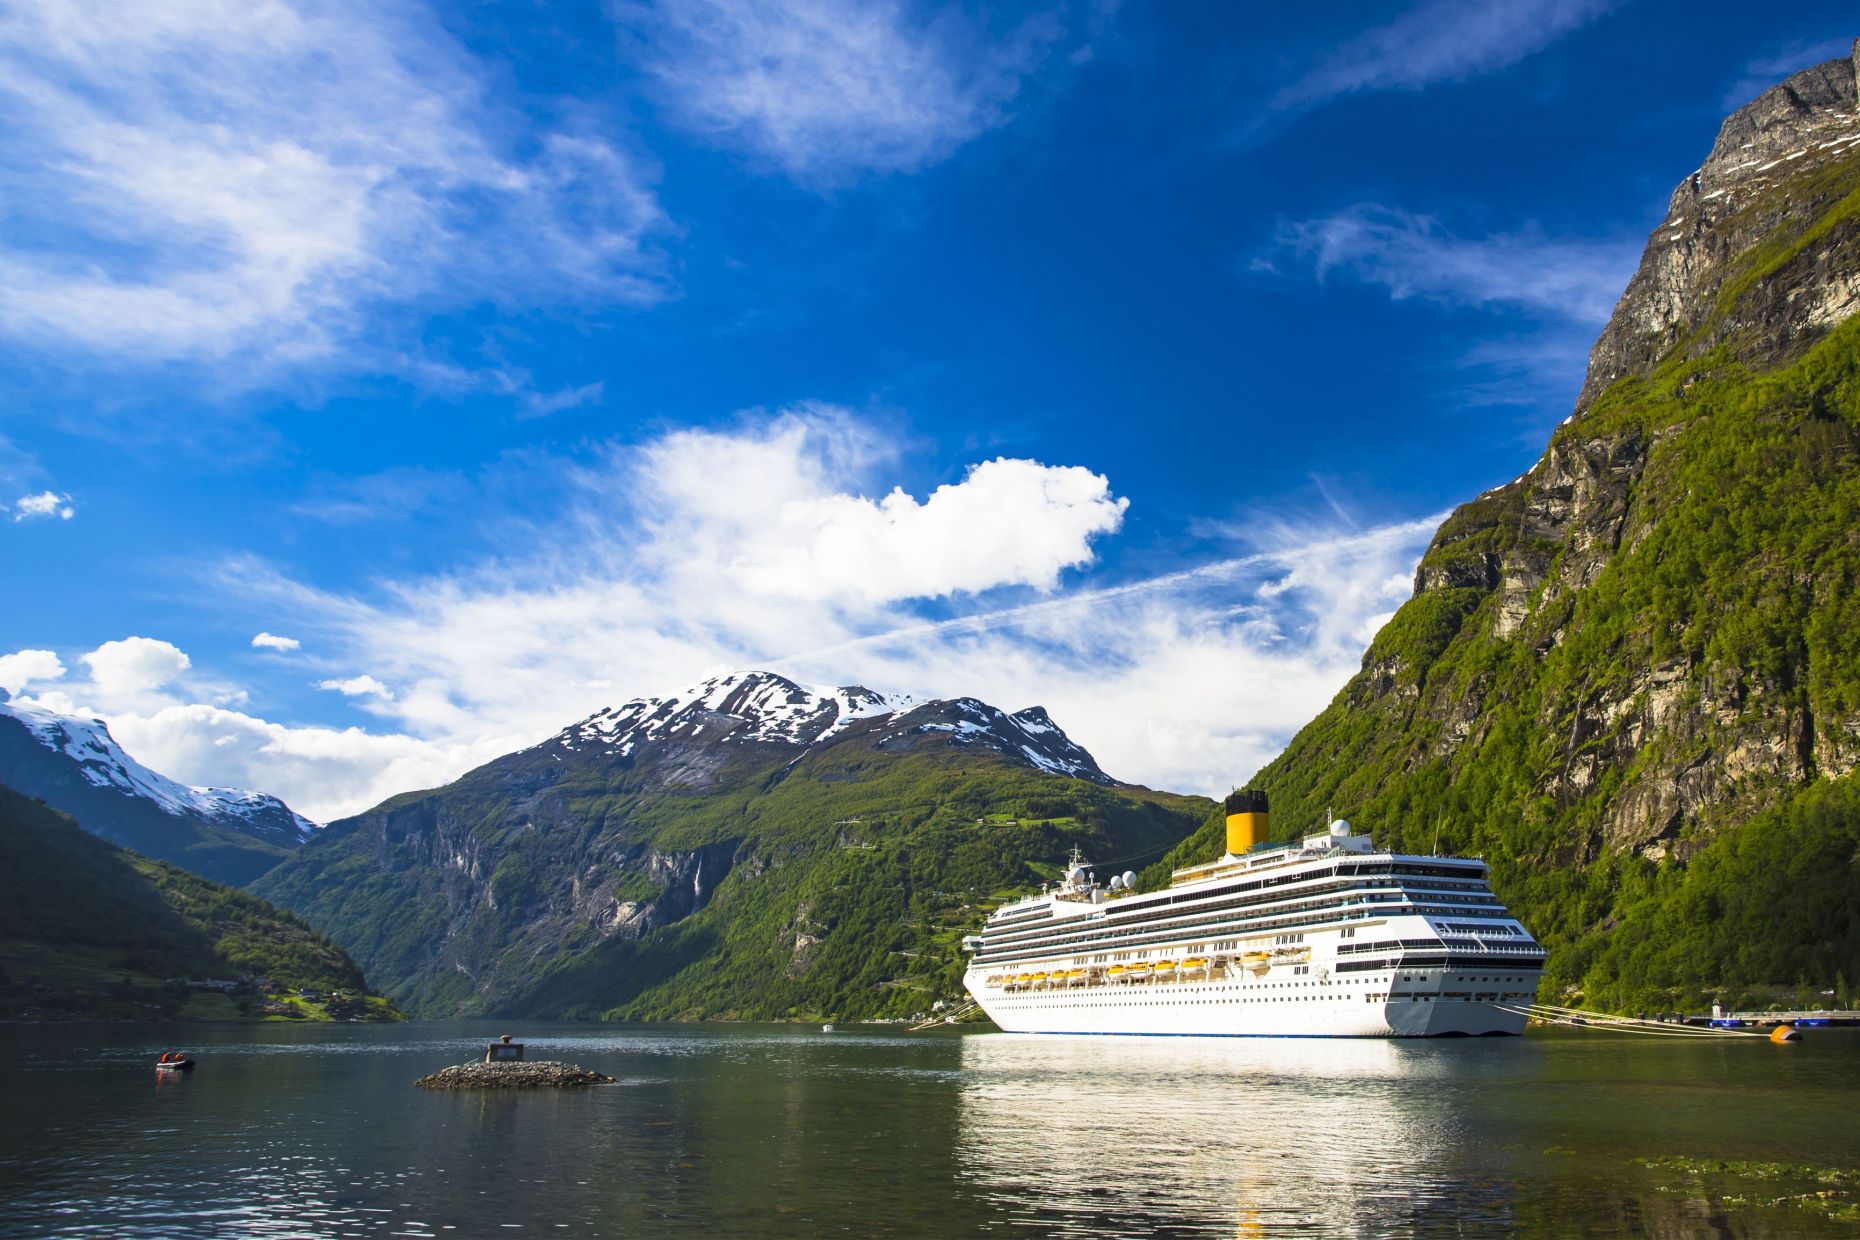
{"type": "Point", "coordinates": [1322, 937]}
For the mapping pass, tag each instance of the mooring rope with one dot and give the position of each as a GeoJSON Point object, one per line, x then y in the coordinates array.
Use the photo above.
{"type": "Point", "coordinates": [1576, 1018]}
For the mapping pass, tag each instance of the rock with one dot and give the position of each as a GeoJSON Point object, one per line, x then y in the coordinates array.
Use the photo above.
{"type": "Point", "coordinates": [540, 1074]}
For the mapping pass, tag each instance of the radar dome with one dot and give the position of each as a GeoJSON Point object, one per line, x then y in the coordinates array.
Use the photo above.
{"type": "Point", "coordinates": [1340, 827]}
{"type": "Point", "coordinates": [1130, 878]}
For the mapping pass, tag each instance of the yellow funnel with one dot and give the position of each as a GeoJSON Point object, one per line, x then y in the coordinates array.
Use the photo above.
{"type": "Point", "coordinates": [1246, 821]}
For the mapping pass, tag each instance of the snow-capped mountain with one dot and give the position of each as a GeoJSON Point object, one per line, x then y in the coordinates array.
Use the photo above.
{"type": "Point", "coordinates": [768, 835]}
{"type": "Point", "coordinates": [762, 708]}
{"type": "Point", "coordinates": [75, 765]}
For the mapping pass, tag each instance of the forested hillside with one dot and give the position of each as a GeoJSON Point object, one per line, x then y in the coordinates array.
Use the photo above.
{"type": "Point", "coordinates": [89, 929]}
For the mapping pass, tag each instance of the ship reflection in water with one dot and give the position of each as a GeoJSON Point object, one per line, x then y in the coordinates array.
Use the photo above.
{"type": "Point", "coordinates": [1246, 1137]}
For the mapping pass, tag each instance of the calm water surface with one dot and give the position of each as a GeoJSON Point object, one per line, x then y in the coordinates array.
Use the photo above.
{"type": "Point", "coordinates": [780, 1131]}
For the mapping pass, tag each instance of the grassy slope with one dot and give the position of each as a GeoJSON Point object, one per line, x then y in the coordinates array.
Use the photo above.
{"type": "Point", "coordinates": [1750, 571]}
{"type": "Point", "coordinates": [87, 928]}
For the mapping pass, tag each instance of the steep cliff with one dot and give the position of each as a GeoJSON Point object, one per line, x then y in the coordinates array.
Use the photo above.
{"type": "Point", "coordinates": [747, 848]}
{"type": "Point", "coordinates": [1631, 678]}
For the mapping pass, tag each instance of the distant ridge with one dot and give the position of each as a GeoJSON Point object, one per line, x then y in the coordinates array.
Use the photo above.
{"type": "Point", "coordinates": [75, 765]}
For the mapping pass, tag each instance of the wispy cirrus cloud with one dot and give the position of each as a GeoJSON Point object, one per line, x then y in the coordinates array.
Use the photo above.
{"type": "Point", "coordinates": [1417, 256]}
{"type": "Point", "coordinates": [1439, 41]}
{"type": "Point", "coordinates": [223, 179]}
{"type": "Point", "coordinates": [1765, 71]}
{"type": "Point", "coordinates": [829, 90]}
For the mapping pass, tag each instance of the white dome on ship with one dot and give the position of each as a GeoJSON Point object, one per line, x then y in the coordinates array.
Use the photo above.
{"type": "Point", "coordinates": [1340, 827]}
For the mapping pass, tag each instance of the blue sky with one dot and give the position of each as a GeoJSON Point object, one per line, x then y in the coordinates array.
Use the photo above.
{"type": "Point", "coordinates": [509, 360]}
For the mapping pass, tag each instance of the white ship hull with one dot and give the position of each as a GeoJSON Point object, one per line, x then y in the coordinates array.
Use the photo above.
{"type": "Point", "coordinates": [1442, 1006]}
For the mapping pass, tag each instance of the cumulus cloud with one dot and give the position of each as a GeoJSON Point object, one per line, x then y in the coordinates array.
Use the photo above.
{"type": "Point", "coordinates": [357, 686]}
{"type": "Point", "coordinates": [25, 667]}
{"type": "Point", "coordinates": [785, 531]}
{"type": "Point", "coordinates": [271, 641]}
{"type": "Point", "coordinates": [1440, 41]}
{"type": "Point", "coordinates": [44, 504]}
{"type": "Point", "coordinates": [134, 665]}
{"type": "Point", "coordinates": [828, 89]}
{"type": "Point", "coordinates": [229, 177]}
{"type": "Point", "coordinates": [1418, 256]}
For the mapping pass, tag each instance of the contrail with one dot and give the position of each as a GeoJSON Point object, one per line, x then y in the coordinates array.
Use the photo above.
{"type": "Point", "coordinates": [1220, 570]}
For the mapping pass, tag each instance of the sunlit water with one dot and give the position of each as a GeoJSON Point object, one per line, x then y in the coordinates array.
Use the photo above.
{"type": "Point", "coordinates": [766, 1131]}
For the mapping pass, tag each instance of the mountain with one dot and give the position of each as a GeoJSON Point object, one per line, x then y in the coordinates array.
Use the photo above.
{"type": "Point", "coordinates": [75, 765]}
{"type": "Point", "coordinates": [88, 929]}
{"type": "Point", "coordinates": [747, 848]}
{"type": "Point", "coordinates": [1631, 678]}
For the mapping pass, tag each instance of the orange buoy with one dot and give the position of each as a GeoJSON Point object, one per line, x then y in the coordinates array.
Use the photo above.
{"type": "Point", "coordinates": [1785, 1033]}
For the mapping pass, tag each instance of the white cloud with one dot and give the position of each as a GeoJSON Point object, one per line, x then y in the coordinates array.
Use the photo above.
{"type": "Point", "coordinates": [1417, 256]}
{"type": "Point", "coordinates": [322, 773]}
{"type": "Point", "coordinates": [25, 667]}
{"type": "Point", "coordinates": [1441, 41]}
{"type": "Point", "coordinates": [43, 505]}
{"type": "Point", "coordinates": [252, 176]}
{"type": "Point", "coordinates": [357, 686]}
{"type": "Point", "coordinates": [785, 531]}
{"type": "Point", "coordinates": [134, 666]}
{"type": "Point", "coordinates": [668, 565]}
{"type": "Point", "coordinates": [828, 89]}
{"type": "Point", "coordinates": [271, 641]}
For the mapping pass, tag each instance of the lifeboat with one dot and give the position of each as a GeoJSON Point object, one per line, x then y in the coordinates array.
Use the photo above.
{"type": "Point", "coordinates": [1253, 957]}
{"type": "Point", "coordinates": [1165, 966]}
{"type": "Point", "coordinates": [1116, 970]}
{"type": "Point", "coordinates": [1194, 964]}
{"type": "Point", "coordinates": [997, 979]}
{"type": "Point", "coordinates": [1037, 977]}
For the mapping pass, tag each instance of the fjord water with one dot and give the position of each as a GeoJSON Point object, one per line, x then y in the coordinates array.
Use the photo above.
{"type": "Point", "coordinates": [788, 1131]}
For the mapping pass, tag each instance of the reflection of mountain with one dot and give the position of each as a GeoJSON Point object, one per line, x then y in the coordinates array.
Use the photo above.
{"type": "Point", "coordinates": [1320, 1137]}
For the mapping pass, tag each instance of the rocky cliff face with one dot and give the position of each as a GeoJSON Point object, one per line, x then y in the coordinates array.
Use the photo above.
{"type": "Point", "coordinates": [700, 854]}
{"type": "Point", "coordinates": [1762, 178]}
{"type": "Point", "coordinates": [1617, 663]}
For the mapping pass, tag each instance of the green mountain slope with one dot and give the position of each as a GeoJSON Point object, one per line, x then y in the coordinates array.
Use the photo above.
{"type": "Point", "coordinates": [89, 929]}
{"type": "Point", "coordinates": [1631, 679]}
{"type": "Point", "coordinates": [748, 849]}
